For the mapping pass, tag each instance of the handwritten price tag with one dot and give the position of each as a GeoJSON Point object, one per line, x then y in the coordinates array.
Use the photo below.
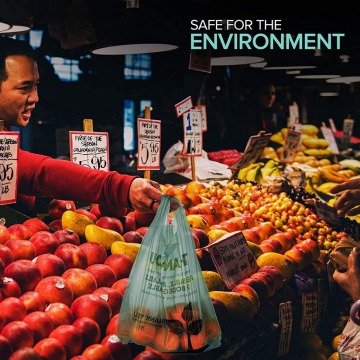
{"type": "Point", "coordinates": [202, 109]}
{"type": "Point", "coordinates": [293, 114]}
{"type": "Point", "coordinates": [183, 106]}
{"type": "Point", "coordinates": [192, 133]}
{"type": "Point", "coordinates": [291, 144]}
{"type": "Point", "coordinates": [200, 60]}
{"type": "Point", "coordinates": [9, 151]}
{"type": "Point", "coordinates": [149, 142]}
{"type": "Point", "coordinates": [348, 126]}
{"type": "Point", "coordinates": [90, 149]}
{"type": "Point", "coordinates": [329, 136]}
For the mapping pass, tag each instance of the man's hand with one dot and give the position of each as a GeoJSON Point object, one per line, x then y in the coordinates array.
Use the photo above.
{"type": "Point", "coordinates": [349, 200]}
{"type": "Point", "coordinates": [145, 195]}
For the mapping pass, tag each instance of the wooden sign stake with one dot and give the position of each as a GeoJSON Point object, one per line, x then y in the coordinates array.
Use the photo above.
{"type": "Point", "coordinates": [147, 116]}
{"type": "Point", "coordinates": [1, 125]}
{"type": "Point", "coordinates": [88, 125]}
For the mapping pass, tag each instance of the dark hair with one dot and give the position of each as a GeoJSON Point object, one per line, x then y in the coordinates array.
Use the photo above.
{"type": "Point", "coordinates": [9, 47]}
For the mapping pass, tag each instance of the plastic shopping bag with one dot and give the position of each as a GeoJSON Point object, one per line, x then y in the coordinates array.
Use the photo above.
{"type": "Point", "coordinates": [166, 304]}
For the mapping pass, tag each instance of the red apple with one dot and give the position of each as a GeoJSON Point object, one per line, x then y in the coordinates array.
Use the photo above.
{"type": "Point", "coordinates": [45, 242]}
{"type": "Point", "coordinates": [196, 239]}
{"type": "Point", "coordinates": [6, 255]}
{"type": "Point", "coordinates": [111, 328]}
{"type": "Point", "coordinates": [95, 252]}
{"type": "Point", "coordinates": [251, 235]}
{"type": "Point", "coordinates": [148, 355]}
{"type": "Point", "coordinates": [9, 288]}
{"type": "Point", "coordinates": [120, 285]}
{"type": "Point", "coordinates": [20, 232]}
{"type": "Point", "coordinates": [89, 214]}
{"type": "Point", "coordinates": [245, 221]}
{"type": "Point", "coordinates": [202, 236]}
{"type": "Point", "coordinates": [128, 223]}
{"type": "Point", "coordinates": [92, 306]}
{"type": "Point", "coordinates": [25, 273]}
{"type": "Point", "coordinates": [133, 237]}
{"type": "Point", "coordinates": [209, 218]}
{"type": "Point", "coordinates": [96, 211]}
{"type": "Point", "coordinates": [300, 256]}
{"type": "Point", "coordinates": [111, 223]}
{"type": "Point", "coordinates": [19, 334]}
{"type": "Point", "coordinates": [6, 348]}
{"type": "Point", "coordinates": [12, 309]}
{"type": "Point", "coordinates": [89, 330]}
{"type": "Point", "coordinates": [259, 286]}
{"type": "Point", "coordinates": [80, 281]}
{"type": "Point", "coordinates": [121, 264]}
{"type": "Point", "coordinates": [67, 236]}
{"type": "Point", "coordinates": [49, 265]}
{"type": "Point", "coordinates": [271, 245]}
{"type": "Point", "coordinates": [114, 211]}
{"type": "Point", "coordinates": [21, 249]}
{"type": "Point", "coordinates": [275, 273]}
{"type": "Point", "coordinates": [230, 225]}
{"type": "Point", "coordinates": [112, 296]}
{"type": "Point", "coordinates": [40, 323]}
{"type": "Point", "coordinates": [268, 228]}
{"type": "Point", "coordinates": [25, 352]}
{"type": "Point", "coordinates": [249, 292]}
{"type": "Point", "coordinates": [104, 274]}
{"type": "Point", "coordinates": [4, 234]}
{"type": "Point", "coordinates": [55, 225]}
{"type": "Point", "coordinates": [36, 224]}
{"type": "Point", "coordinates": [33, 301]}
{"type": "Point", "coordinates": [142, 230]}
{"type": "Point", "coordinates": [267, 280]}
{"type": "Point", "coordinates": [313, 246]}
{"type": "Point", "coordinates": [118, 349]}
{"type": "Point", "coordinates": [50, 349]}
{"type": "Point", "coordinates": [70, 337]}
{"type": "Point", "coordinates": [72, 256]}
{"type": "Point", "coordinates": [60, 314]}
{"type": "Point", "coordinates": [2, 268]}
{"type": "Point", "coordinates": [57, 207]}
{"type": "Point", "coordinates": [97, 351]}
{"type": "Point", "coordinates": [55, 289]}
{"type": "Point", "coordinates": [179, 192]}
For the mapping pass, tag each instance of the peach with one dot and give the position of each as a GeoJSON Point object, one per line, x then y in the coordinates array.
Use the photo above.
{"type": "Point", "coordinates": [258, 285]}
{"type": "Point", "coordinates": [97, 351]}
{"type": "Point", "coordinates": [79, 281]}
{"type": "Point", "coordinates": [49, 265]}
{"type": "Point", "coordinates": [195, 199]}
{"type": "Point", "coordinates": [45, 242]}
{"type": "Point", "coordinates": [104, 274]}
{"type": "Point", "coordinates": [6, 255]}
{"type": "Point", "coordinates": [252, 235]}
{"type": "Point", "coordinates": [19, 334]}
{"type": "Point", "coordinates": [25, 273]}
{"type": "Point", "coordinates": [143, 334]}
{"type": "Point", "coordinates": [179, 192]}
{"type": "Point", "coordinates": [57, 207]}
{"type": "Point", "coordinates": [89, 329]}
{"type": "Point", "coordinates": [60, 314]}
{"type": "Point", "coordinates": [271, 245]}
{"type": "Point", "coordinates": [40, 323]}
{"type": "Point", "coordinates": [19, 232]}
{"type": "Point", "coordinates": [300, 256]}
{"type": "Point", "coordinates": [275, 273]}
{"type": "Point", "coordinates": [6, 348]}
{"type": "Point", "coordinates": [12, 309]}
{"type": "Point", "coordinates": [118, 349]}
{"type": "Point", "coordinates": [50, 349]}
{"type": "Point", "coordinates": [268, 228]}
{"type": "Point", "coordinates": [313, 246]}
{"type": "Point", "coordinates": [67, 236]}
{"type": "Point", "coordinates": [55, 225]}
{"type": "Point", "coordinates": [120, 285]}
{"type": "Point", "coordinates": [95, 252]}
{"type": "Point", "coordinates": [112, 296]}
{"type": "Point", "coordinates": [133, 236]}
{"type": "Point", "coordinates": [284, 239]}
{"type": "Point", "coordinates": [4, 234]}
{"type": "Point", "coordinates": [195, 186]}
{"type": "Point", "coordinates": [111, 328]}
{"type": "Point", "coordinates": [72, 255]}
{"type": "Point", "coordinates": [245, 221]}
{"type": "Point", "coordinates": [70, 337]}
{"type": "Point", "coordinates": [55, 289]}
{"type": "Point", "coordinates": [92, 306]}
{"type": "Point", "coordinates": [111, 223]}
{"type": "Point", "coordinates": [267, 280]}
{"type": "Point", "coordinates": [9, 288]}
{"type": "Point", "coordinates": [230, 225]}
{"type": "Point", "coordinates": [33, 301]}
{"type": "Point", "coordinates": [201, 235]}
{"type": "Point", "coordinates": [128, 223]}
{"type": "Point", "coordinates": [210, 219]}
{"type": "Point", "coordinates": [248, 292]}
{"type": "Point", "coordinates": [142, 230]}
{"type": "Point", "coordinates": [121, 264]}
{"type": "Point", "coordinates": [21, 249]}
{"type": "Point", "coordinates": [89, 214]}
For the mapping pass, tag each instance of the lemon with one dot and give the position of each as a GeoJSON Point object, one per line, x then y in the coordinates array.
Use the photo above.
{"type": "Point", "coordinates": [309, 341]}
{"type": "Point", "coordinates": [334, 342]}
{"type": "Point", "coordinates": [278, 260]}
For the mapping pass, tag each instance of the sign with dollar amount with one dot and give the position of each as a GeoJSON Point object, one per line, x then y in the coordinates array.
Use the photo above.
{"type": "Point", "coordinates": [9, 152]}
{"type": "Point", "coordinates": [192, 133]}
{"type": "Point", "coordinates": [90, 149]}
{"type": "Point", "coordinates": [149, 143]}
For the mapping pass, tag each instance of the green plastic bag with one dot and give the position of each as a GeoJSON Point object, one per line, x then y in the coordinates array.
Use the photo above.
{"type": "Point", "coordinates": [166, 304]}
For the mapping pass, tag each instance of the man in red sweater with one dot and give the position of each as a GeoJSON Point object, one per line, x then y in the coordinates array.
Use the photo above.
{"type": "Point", "coordinates": [60, 179]}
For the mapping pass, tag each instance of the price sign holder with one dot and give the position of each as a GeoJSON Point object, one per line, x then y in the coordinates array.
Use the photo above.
{"type": "Point", "coordinates": [329, 136]}
{"type": "Point", "coordinates": [200, 60]}
{"type": "Point", "coordinates": [89, 148]}
{"type": "Point", "coordinates": [183, 106]}
{"type": "Point", "coordinates": [293, 114]}
{"type": "Point", "coordinates": [149, 142]}
{"type": "Point", "coordinates": [327, 213]}
{"type": "Point", "coordinates": [202, 109]}
{"type": "Point", "coordinates": [348, 126]}
{"type": "Point", "coordinates": [286, 323]}
{"type": "Point", "coordinates": [254, 148]}
{"type": "Point", "coordinates": [291, 144]}
{"type": "Point", "coordinates": [310, 311]}
{"type": "Point", "coordinates": [232, 258]}
{"type": "Point", "coordinates": [9, 153]}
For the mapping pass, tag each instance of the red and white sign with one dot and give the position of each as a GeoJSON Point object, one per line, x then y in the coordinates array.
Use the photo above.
{"type": "Point", "coordinates": [192, 133]}
{"type": "Point", "coordinates": [183, 106]}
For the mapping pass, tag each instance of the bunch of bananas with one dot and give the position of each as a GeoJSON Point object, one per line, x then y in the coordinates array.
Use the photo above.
{"type": "Point", "coordinates": [257, 171]}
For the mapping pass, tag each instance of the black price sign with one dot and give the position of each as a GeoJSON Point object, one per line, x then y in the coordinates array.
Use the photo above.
{"type": "Point", "coordinates": [90, 149]}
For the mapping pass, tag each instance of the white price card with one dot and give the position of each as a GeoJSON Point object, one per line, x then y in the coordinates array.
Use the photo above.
{"type": "Point", "coordinates": [293, 114]}
{"type": "Point", "coordinates": [202, 109]}
{"type": "Point", "coordinates": [149, 144]}
{"type": "Point", "coordinates": [183, 106]}
{"type": "Point", "coordinates": [90, 149]}
{"type": "Point", "coordinates": [192, 134]}
{"type": "Point", "coordinates": [348, 126]}
{"type": "Point", "coordinates": [291, 144]}
{"type": "Point", "coordinates": [286, 323]}
{"type": "Point", "coordinates": [310, 311]}
{"type": "Point", "coordinates": [329, 136]}
{"type": "Point", "coordinates": [9, 153]}
{"type": "Point", "coordinates": [200, 60]}
{"type": "Point", "coordinates": [254, 148]}
{"type": "Point", "coordinates": [232, 258]}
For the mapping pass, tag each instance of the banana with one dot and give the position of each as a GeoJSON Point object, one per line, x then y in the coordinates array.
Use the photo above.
{"type": "Point", "coordinates": [326, 187]}
{"type": "Point", "coordinates": [332, 176]}
{"type": "Point", "coordinates": [252, 173]}
{"type": "Point", "coordinates": [244, 171]}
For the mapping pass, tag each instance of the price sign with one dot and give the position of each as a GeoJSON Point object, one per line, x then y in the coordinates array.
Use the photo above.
{"type": "Point", "coordinates": [9, 150]}
{"type": "Point", "coordinates": [286, 322]}
{"type": "Point", "coordinates": [329, 136]}
{"type": "Point", "coordinates": [183, 106]}
{"type": "Point", "coordinates": [232, 258]}
{"type": "Point", "coordinates": [90, 149]}
{"type": "Point", "coordinates": [293, 114]}
{"type": "Point", "coordinates": [291, 144]}
{"type": "Point", "coordinates": [200, 60]}
{"type": "Point", "coordinates": [310, 311]}
{"type": "Point", "coordinates": [202, 109]}
{"type": "Point", "coordinates": [192, 134]}
{"type": "Point", "coordinates": [254, 148]}
{"type": "Point", "coordinates": [149, 142]}
{"type": "Point", "coordinates": [327, 213]}
{"type": "Point", "coordinates": [348, 126]}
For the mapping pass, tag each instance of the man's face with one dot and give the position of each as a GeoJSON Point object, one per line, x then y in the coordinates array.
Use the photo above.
{"type": "Point", "coordinates": [18, 93]}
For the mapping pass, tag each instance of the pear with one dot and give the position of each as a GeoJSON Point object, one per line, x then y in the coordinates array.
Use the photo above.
{"type": "Point", "coordinates": [213, 281]}
{"type": "Point", "coordinates": [105, 237]}
{"type": "Point", "coordinates": [122, 247]}
{"type": "Point", "coordinates": [71, 220]}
